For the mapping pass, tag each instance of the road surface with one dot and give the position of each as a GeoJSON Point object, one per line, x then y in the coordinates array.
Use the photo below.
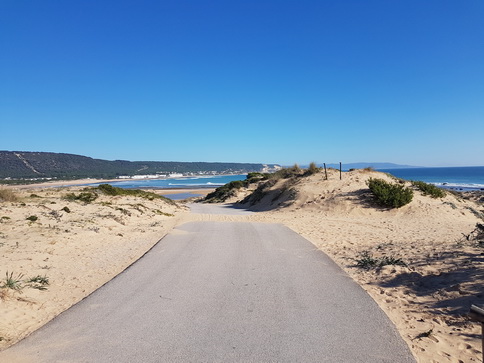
{"type": "Point", "coordinates": [222, 292]}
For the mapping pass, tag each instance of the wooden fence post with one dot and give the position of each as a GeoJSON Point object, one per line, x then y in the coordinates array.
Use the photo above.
{"type": "Point", "coordinates": [340, 170]}
{"type": "Point", "coordinates": [325, 171]}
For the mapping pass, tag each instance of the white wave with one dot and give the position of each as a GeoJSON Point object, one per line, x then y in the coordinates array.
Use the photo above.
{"type": "Point", "coordinates": [462, 186]}
{"type": "Point", "coordinates": [196, 184]}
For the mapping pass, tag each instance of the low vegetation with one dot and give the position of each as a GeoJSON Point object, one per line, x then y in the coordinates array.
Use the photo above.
{"type": "Point", "coordinates": [85, 197]}
{"type": "Point", "coordinates": [429, 189]}
{"type": "Point", "coordinates": [108, 189]}
{"type": "Point", "coordinates": [286, 173]}
{"type": "Point", "coordinates": [388, 194]}
{"type": "Point", "coordinates": [367, 261]}
{"type": "Point", "coordinates": [89, 195]}
{"type": "Point", "coordinates": [6, 195]}
{"type": "Point", "coordinates": [18, 283]}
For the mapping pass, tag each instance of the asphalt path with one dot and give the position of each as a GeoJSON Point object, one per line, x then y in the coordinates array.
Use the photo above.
{"type": "Point", "coordinates": [222, 292]}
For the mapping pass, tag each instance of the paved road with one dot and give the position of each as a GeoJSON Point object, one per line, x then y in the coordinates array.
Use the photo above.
{"type": "Point", "coordinates": [222, 292]}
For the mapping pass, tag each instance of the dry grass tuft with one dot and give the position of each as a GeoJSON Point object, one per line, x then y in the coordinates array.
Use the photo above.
{"type": "Point", "coordinates": [6, 195]}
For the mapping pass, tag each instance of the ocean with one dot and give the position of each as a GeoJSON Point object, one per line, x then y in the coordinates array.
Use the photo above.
{"type": "Point", "coordinates": [178, 183]}
{"type": "Point", "coordinates": [455, 178]}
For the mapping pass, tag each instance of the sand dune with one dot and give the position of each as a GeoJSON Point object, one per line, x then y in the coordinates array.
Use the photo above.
{"type": "Point", "coordinates": [429, 298]}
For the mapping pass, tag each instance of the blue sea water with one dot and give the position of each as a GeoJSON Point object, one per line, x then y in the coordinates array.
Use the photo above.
{"type": "Point", "coordinates": [178, 183]}
{"type": "Point", "coordinates": [455, 178]}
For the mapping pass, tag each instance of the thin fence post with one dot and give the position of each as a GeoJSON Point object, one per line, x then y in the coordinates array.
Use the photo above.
{"type": "Point", "coordinates": [340, 170]}
{"type": "Point", "coordinates": [325, 171]}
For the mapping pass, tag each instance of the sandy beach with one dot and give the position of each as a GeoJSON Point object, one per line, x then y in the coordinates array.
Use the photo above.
{"type": "Point", "coordinates": [427, 296]}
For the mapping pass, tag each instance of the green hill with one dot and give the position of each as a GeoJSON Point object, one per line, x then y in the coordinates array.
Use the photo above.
{"type": "Point", "coordinates": [28, 165]}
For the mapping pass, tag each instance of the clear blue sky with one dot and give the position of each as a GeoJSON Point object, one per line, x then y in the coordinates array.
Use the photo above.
{"type": "Point", "coordinates": [245, 81]}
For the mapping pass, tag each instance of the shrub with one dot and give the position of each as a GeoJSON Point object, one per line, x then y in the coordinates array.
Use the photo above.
{"type": "Point", "coordinates": [255, 177]}
{"type": "Point", "coordinates": [429, 189]}
{"type": "Point", "coordinates": [86, 197]}
{"type": "Point", "coordinates": [6, 195]}
{"type": "Point", "coordinates": [390, 195]}
{"type": "Point", "coordinates": [367, 261]}
{"type": "Point", "coordinates": [32, 218]}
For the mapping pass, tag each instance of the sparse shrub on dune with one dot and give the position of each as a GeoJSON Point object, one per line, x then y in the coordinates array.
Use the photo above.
{"type": "Point", "coordinates": [286, 173]}
{"type": "Point", "coordinates": [86, 197]}
{"type": "Point", "coordinates": [6, 195]}
{"type": "Point", "coordinates": [367, 261]}
{"type": "Point", "coordinates": [312, 169]}
{"type": "Point", "coordinates": [429, 189]}
{"type": "Point", "coordinates": [390, 195]}
{"type": "Point", "coordinates": [256, 177]}
{"type": "Point", "coordinates": [32, 218]}
{"type": "Point", "coordinates": [108, 189]}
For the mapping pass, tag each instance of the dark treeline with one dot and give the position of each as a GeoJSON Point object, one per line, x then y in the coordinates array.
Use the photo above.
{"type": "Point", "coordinates": [20, 165]}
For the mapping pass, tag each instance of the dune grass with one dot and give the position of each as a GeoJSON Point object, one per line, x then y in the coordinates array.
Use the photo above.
{"type": "Point", "coordinates": [7, 195]}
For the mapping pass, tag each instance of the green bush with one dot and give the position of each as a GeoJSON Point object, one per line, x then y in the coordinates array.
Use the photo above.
{"type": "Point", "coordinates": [86, 197]}
{"type": "Point", "coordinates": [390, 195]}
{"type": "Point", "coordinates": [429, 189]}
{"type": "Point", "coordinates": [255, 177]}
{"type": "Point", "coordinates": [32, 218]}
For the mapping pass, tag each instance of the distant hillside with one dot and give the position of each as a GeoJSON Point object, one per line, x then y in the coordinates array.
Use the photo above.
{"type": "Point", "coordinates": [376, 166]}
{"type": "Point", "coordinates": [26, 165]}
